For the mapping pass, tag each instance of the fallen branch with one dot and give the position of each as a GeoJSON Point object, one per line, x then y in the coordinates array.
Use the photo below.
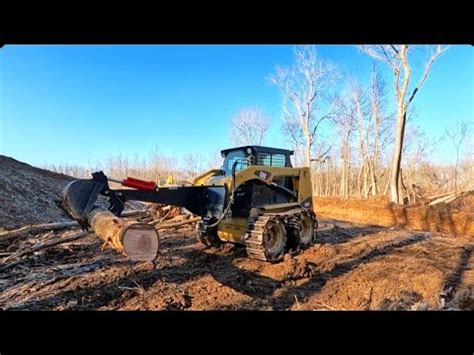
{"type": "Point", "coordinates": [43, 246]}
{"type": "Point", "coordinates": [433, 197]}
{"type": "Point", "coordinates": [178, 224]}
{"type": "Point", "coordinates": [38, 228]}
{"type": "Point", "coordinates": [327, 306]}
{"type": "Point", "coordinates": [160, 219]}
{"type": "Point", "coordinates": [446, 199]}
{"type": "Point", "coordinates": [133, 213]}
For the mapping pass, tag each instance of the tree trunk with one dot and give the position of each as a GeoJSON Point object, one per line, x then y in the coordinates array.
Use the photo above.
{"type": "Point", "coordinates": [138, 241]}
{"type": "Point", "coordinates": [456, 171]}
{"type": "Point", "coordinates": [397, 156]}
{"type": "Point", "coordinates": [373, 179]}
{"type": "Point", "coordinates": [359, 179]}
{"type": "Point", "coordinates": [308, 152]}
{"type": "Point", "coordinates": [366, 187]}
{"type": "Point", "coordinates": [403, 192]}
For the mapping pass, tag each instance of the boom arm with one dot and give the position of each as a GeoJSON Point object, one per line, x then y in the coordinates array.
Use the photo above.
{"type": "Point", "coordinates": [80, 196]}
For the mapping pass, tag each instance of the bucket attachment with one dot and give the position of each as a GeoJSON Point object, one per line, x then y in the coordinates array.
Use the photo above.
{"type": "Point", "coordinates": [79, 196]}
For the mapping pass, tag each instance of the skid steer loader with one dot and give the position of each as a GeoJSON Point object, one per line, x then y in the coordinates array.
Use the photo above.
{"type": "Point", "coordinates": [256, 199]}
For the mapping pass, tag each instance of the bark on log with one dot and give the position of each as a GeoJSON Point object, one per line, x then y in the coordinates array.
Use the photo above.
{"type": "Point", "coordinates": [138, 241]}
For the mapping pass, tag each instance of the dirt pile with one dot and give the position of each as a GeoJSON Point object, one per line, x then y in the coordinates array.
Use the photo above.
{"type": "Point", "coordinates": [28, 194]}
{"type": "Point", "coordinates": [454, 218]}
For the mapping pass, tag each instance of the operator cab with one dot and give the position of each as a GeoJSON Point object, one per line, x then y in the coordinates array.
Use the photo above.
{"type": "Point", "coordinates": [254, 155]}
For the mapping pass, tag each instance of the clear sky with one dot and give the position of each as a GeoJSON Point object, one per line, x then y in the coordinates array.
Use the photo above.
{"type": "Point", "coordinates": [80, 104]}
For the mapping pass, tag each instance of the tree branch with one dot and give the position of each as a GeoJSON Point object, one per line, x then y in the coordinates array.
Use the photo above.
{"type": "Point", "coordinates": [427, 70]}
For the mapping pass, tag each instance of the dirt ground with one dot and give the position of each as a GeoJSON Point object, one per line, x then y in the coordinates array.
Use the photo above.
{"type": "Point", "coordinates": [351, 267]}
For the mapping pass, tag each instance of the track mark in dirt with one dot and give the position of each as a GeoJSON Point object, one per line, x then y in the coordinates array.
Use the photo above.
{"type": "Point", "coordinates": [457, 290]}
{"type": "Point", "coordinates": [350, 267]}
{"type": "Point", "coordinates": [317, 281]}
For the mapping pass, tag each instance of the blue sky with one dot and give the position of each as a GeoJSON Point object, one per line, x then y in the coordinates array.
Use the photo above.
{"type": "Point", "coordinates": [80, 104]}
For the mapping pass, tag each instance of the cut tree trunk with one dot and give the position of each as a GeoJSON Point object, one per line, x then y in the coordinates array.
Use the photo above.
{"type": "Point", "coordinates": [138, 241]}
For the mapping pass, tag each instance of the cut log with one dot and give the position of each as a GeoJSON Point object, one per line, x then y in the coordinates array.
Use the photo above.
{"type": "Point", "coordinates": [138, 241]}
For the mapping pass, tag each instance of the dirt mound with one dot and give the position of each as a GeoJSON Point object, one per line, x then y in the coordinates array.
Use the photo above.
{"type": "Point", "coordinates": [27, 194]}
{"type": "Point", "coordinates": [455, 218]}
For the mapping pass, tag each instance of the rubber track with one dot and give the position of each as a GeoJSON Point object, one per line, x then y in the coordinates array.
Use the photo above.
{"type": "Point", "coordinates": [254, 239]}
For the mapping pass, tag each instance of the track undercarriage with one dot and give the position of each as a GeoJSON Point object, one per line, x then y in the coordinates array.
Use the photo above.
{"type": "Point", "coordinates": [271, 235]}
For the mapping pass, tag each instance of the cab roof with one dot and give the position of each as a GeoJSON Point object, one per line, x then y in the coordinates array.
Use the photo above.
{"type": "Point", "coordinates": [258, 149]}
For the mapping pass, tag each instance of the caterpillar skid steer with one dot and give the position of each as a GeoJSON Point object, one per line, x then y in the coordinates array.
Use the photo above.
{"type": "Point", "coordinates": [256, 199]}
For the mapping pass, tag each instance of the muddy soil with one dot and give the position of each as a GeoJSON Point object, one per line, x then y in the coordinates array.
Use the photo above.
{"type": "Point", "coordinates": [351, 267]}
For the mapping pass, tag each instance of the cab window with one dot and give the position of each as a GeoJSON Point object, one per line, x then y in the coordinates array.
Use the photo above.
{"type": "Point", "coordinates": [278, 160]}
{"type": "Point", "coordinates": [268, 159]}
{"type": "Point", "coordinates": [231, 158]}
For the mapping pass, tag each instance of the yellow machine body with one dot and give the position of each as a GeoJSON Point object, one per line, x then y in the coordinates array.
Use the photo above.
{"type": "Point", "coordinates": [234, 229]}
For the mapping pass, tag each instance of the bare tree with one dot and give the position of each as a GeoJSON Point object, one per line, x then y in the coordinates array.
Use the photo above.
{"type": "Point", "coordinates": [344, 117]}
{"type": "Point", "coordinates": [303, 88]}
{"type": "Point", "coordinates": [378, 119]}
{"type": "Point", "coordinates": [293, 134]}
{"type": "Point", "coordinates": [396, 57]}
{"type": "Point", "coordinates": [249, 126]}
{"type": "Point", "coordinates": [457, 134]}
{"type": "Point", "coordinates": [193, 165]}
